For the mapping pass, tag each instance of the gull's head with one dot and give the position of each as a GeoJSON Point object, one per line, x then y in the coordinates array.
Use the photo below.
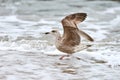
{"type": "Point", "coordinates": [53, 32]}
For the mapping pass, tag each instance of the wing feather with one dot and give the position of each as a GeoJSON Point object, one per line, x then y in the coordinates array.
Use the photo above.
{"type": "Point", "coordinates": [73, 19]}
{"type": "Point", "coordinates": [70, 23]}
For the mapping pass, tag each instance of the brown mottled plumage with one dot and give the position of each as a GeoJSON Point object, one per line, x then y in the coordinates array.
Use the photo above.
{"type": "Point", "coordinates": [70, 41]}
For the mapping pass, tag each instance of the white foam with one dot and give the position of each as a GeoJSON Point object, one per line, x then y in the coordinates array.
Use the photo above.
{"type": "Point", "coordinates": [12, 77]}
{"type": "Point", "coordinates": [23, 45]}
{"type": "Point", "coordinates": [111, 10]}
{"type": "Point", "coordinates": [115, 21]}
{"type": "Point", "coordinates": [46, 22]}
{"type": "Point", "coordinates": [54, 52]}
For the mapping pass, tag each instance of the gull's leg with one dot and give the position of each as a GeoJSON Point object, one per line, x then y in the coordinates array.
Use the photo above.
{"type": "Point", "coordinates": [61, 58]}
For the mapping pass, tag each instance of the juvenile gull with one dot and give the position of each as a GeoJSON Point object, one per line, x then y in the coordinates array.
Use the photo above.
{"type": "Point", "coordinates": [70, 41]}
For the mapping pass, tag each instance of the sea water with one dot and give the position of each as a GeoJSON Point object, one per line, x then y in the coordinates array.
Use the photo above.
{"type": "Point", "coordinates": [26, 53]}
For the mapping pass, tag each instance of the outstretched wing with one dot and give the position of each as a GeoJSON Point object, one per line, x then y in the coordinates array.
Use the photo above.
{"type": "Point", "coordinates": [85, 35]}
{"type": "Point", "coordinates": [70, 26]}
{"type": "Point", "coordinates": [70, 36]}
{"type": "Point", "coordinates": [73, 19]}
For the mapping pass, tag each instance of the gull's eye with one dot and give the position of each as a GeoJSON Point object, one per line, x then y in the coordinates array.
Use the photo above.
{"type": "Point", "coordinates": [53, 31]}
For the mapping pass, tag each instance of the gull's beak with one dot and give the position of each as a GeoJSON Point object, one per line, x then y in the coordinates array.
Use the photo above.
{"type": "Point", "coordinates": [47, 33]}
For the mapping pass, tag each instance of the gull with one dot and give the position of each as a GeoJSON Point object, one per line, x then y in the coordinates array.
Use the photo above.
{"type": "Point", "coordinates": [70, 41]}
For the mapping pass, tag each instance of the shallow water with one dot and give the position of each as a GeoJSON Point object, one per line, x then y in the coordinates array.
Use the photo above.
{"type": "Point", "coordinates": [27, 54]}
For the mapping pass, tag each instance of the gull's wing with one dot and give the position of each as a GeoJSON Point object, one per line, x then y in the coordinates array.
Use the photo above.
{"type": "Point", "coordinates": [85, 35]}
{"type": "Point", "coordinates": [70, 25]}
{"type": "Point", "coordinates": [70, 36]}
{"type": "Point", "coordinates": [73, 19]}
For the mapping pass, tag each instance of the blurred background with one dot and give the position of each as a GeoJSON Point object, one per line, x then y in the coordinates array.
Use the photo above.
{"type": "Point", "coordinates": [24, 47]}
